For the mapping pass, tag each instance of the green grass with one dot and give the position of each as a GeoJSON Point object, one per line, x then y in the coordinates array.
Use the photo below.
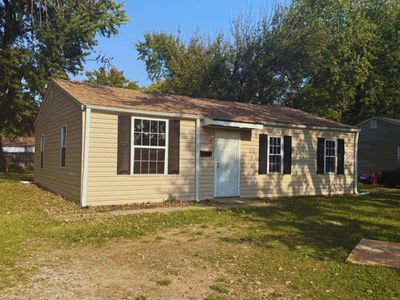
{"type": "Point", "coordinates": [220, 288]}
{"type": "Point", "coordinates": [301, 244]}
{"type": "Point", "coordinates": [163, 282]}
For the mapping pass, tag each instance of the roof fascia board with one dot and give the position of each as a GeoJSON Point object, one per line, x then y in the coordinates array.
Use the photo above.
{"type": "Point", "coordinates": [298, 126]}
{"type": "Point", "coordinates": [389, 121]}
{"type": "Point", "coordinates": [144, 112]}
{"type": "Point", "coordinates": [211, 122]}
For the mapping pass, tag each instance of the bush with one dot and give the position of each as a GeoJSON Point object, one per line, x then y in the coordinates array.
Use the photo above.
{"type": "Point", "coordinates": [170, 200]}
{"type": "Point", "coordinates": [390, 178]}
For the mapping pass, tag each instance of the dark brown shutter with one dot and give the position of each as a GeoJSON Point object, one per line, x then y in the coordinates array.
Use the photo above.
{"type": "Point", "coordinates": [287, 154]}
{"type": "Point", "coordinates": [340, 156]}
{"type": "Point", "coordinates": [174, 133]}
{"type": "Point", "coordinates": [124, 145]}
{"type": "Point", "coordinates": [321, 156]}
{"type": "Point", "coordinates": [262, 153]}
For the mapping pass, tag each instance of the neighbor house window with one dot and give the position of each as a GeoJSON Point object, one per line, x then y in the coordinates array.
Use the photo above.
{"type": "Point", "coordinates": [275, 154]}
{"type": "Point", "coordinates": [330, 156]}
{"type": "Point", "coordinates": [398, 153]}
{"type": "Point", "coordinates": [42, 151]}
{"type": "Point", "coordinates": [149, 146]}
{"type": "Point", "coordinates": [63, 145]}
{"type": "Point", "coordinates": [374, 124]}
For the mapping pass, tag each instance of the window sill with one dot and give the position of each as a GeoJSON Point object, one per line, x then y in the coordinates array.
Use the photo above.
{"type": "Point", "coordinates": [146, 175]}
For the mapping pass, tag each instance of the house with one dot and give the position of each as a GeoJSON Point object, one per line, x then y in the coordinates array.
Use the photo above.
{"type": "Point", "coordinates": [102, 146]}
{"type": "Point", "coordinates": [19, 152]}
{"type": "Point", "coordinates": [379, 145]}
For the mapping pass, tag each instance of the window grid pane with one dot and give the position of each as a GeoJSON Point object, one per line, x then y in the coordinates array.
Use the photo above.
{"type": "Point", "coordinates": [149, 146]}
{"type": "Point", "coordinates": [42, 143]}
{"type": "Point", "coordinates": [330, 156]}
{"type": "Point", "coordinates": [330, 164]}
{"type": "Point", "coordinates": [63, 136]}
{"type": "Point", "coordinates": [275, 155]}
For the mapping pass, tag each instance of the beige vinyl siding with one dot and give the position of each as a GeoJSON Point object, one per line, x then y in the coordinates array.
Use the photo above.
{"type": "Point", "coordinates": [377, 150]}
{"type": "Point", "coordinates": [59, 110]}
{"type": "Point", "coordinates": [302, 181]}
{"type": "Point", "coordinates": [105, 187]}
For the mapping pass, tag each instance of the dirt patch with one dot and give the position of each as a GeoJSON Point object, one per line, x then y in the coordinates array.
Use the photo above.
{"type": "Point", "coordinates": [169, 265]}
{"type": "Point", "coordinates": [133, 209]}
{"type": "Point", "coordinates": [124, 212]}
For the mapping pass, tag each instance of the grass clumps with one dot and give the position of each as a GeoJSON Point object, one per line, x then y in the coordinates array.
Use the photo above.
{"type": "Point", "coordinates": [163, 282]}
{"type": "Point", "coordinates": [220, 286]}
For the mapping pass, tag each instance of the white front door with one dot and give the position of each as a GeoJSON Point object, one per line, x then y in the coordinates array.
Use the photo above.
{"type": "Point", "coordinates": [227, 164]}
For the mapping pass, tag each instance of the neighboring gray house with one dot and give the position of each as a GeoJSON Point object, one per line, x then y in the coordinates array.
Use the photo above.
{"type": "Point", "coordinates": [378, 145]}
{"type": "Point", "coordinates": [19, 152]}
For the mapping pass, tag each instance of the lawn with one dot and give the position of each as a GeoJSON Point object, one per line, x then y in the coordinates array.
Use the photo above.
{"type": "Point", "coordinates": [295, 248]}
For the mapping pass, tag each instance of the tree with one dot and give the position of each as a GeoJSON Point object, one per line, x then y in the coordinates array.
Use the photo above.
{"type": "Point", "coordinates": [110, 77]}
{"type": "Point", "coordinates": [347, 77]}
{"type": "Point", "coordinates": [338, 59]}
{"type": "Point", "coordinates": [254, 64]}
{"type": "Point", "coordinates": [40, 39]}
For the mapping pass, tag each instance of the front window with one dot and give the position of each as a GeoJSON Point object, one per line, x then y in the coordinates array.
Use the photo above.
{"type": "Point", "coordinates": [330, 156]}
{"type": "Point", "coordinates": [275, 153]}
{"type": "Point", "coordinates": [149, 146]}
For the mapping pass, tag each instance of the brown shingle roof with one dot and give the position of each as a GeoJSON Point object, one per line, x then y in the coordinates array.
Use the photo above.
{"type": "Point", "coordinates": [19, 142]}
{"type": "Point", "coordinates": [215, 109]}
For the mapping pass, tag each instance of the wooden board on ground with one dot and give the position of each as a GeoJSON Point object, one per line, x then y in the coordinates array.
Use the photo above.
{"type": "Point", "coordinates": [371, 252]}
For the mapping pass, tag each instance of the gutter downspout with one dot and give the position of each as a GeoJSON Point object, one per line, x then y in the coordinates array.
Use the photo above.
{"type": "Point", "coordinates": [356, 163]}
{"type": "Point", "coordinates": [85, 156]}
{"type": "Point", "coordinates": [197, 168]}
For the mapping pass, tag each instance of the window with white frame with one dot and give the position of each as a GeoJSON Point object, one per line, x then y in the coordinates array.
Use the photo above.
{"type": "Point", "coordinates": [374, 124]}
{"type": "Point", "coordinates": [42, 151]}
{"type": "Point", "coordinates": [330, 156]}
{"type": "Point", "coordinates": [275, 155]}
{"type": "Point", "coordinates": [63, 146]}
{"type": "Point", "coordinates": [149, 146]}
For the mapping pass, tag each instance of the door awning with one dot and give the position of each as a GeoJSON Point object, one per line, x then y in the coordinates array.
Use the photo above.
{"type": "Point", "coordinates": [207, 122]}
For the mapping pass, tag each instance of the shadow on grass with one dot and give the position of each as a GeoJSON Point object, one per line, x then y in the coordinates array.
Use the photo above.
{"type": "Point", "coordinates": [330, 226]}
{"type": "Point", "coordinates": [17, 175]}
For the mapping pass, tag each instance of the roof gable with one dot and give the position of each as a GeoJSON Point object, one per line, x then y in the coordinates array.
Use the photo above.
{"type": "Point", "coordinates": [48, 96]}
{"type": "Point", "coordinates": [88, 94]}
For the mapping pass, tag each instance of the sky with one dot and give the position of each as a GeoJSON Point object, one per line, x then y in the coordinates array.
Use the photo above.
{"type": "Point", "coordinates": [207, 16]}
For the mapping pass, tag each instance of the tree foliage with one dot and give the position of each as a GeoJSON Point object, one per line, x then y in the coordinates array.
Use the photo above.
{"type": "Point", "coordinates": [110, 77]}
{"type": "Point", "coordinates": [40, 39]}
{"type": "Point", "coordinates": [339, 59]}
{"type": "Point", "coordinates": [354, 68]}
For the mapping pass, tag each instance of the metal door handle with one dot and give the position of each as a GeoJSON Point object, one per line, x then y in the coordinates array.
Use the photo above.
{"type": "Point", "coordinates": [217, 164]}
